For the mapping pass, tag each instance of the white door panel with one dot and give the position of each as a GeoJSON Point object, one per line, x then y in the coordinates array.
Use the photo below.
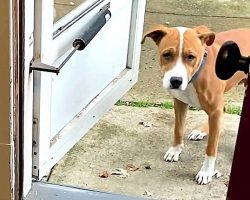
{"type": "Point", "coordinates": [91, 70]}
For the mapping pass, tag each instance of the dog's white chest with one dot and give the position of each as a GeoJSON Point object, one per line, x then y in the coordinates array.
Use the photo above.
{"type": "Point", "coordinates": [188, 96]}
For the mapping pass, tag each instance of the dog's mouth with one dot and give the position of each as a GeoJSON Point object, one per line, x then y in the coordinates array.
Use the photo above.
{"type": "Point", "coordinates": [173, 88]}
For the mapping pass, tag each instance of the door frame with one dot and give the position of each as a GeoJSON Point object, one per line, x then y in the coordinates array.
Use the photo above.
{"type": "Point", "coordinates": [6, 140]}
{"type": "Point", "coordinates": [238, 186]}
{"type": "Point", "coordinates": [18, 95]}
{"type": "Point", "coordinates": [11, 105]}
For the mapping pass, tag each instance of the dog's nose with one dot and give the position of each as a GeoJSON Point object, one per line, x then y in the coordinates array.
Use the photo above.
{"type": "Point", "coordinates": [175, 82]}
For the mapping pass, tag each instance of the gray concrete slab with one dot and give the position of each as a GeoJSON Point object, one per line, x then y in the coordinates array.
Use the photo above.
{"type": "Point", "coordinates": [119, 140]}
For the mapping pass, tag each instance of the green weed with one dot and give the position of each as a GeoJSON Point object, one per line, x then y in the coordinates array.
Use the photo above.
{"type": "Point", "coordinates": [230, 109]}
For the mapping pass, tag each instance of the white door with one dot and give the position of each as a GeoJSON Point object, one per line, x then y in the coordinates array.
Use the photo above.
{"type": "Point", "coordinates": [68, 104]}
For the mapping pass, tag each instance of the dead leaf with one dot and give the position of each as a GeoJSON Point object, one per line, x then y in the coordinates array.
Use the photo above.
{"type": "Point", "coordinates": [123, 173]}
{"type": "Point", "coordinates": [103, 174]}
{"type": "Point", "coordinates": [146, 124]}
{"type": "Point", "coordinates": [147, 193]}
{"type": "Point", "coordinates": [131, 167]}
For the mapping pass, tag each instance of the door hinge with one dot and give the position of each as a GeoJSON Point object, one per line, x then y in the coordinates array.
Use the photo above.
{"type": "Point", "coordinates": [35, 149]}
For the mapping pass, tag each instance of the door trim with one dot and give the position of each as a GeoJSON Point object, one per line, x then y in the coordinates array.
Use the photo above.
{"type": "Point", "coordinates": [18, 81]}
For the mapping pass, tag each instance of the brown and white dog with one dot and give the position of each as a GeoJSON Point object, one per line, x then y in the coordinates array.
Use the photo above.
{"type": "Point", "coordinates": [187, 59]}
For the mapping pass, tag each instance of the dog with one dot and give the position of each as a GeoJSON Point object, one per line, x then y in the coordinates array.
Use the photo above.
{"type": "Point", "coordinates": [187, 59]}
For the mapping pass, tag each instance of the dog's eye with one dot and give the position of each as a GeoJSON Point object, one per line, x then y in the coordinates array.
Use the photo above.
{"type": "Point", "coordinates": [190, 57]}
{"type": "Point", "coordinates": [167, 56]}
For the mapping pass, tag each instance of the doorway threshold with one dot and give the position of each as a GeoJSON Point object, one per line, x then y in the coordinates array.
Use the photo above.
{"type": "Point", "coordinates": [41, 191]}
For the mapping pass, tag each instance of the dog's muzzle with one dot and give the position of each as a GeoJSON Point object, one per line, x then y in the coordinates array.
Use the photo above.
{"type": "Point", "coordinates": [175, 82]}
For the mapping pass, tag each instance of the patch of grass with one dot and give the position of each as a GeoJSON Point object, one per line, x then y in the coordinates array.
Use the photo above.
{"type": "Point", "coordinates": [120, 103]}
{"type": "Point", "coordinates": [143, 104]}
{"type": "Point", "coordinates": [231, 109]}
{"type": "Point", "coordinates": [140, 104]}
{"type": "Point", "coordinates": [167, 105]}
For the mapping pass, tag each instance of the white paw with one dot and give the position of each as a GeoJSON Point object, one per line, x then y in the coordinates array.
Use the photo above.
{"type": "Point", "coordinates": [207, 171]}
{"type": "Point", "coordinates": [197, 135]}
{"type": "Point", "coordinates": [173, 153]}
{"type": "Point", "coordinates": [205, 177]}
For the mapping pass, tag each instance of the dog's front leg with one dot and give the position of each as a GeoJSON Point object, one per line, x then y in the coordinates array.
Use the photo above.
{"type": "Point", "coordinates": [208, 168]}
{"type": "Point", "coordinates": [174, 152]}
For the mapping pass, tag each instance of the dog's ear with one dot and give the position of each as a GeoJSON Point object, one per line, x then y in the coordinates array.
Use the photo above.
{"type": "Point", "coordinates": [156, 33]}
{"type": "Point", "coordinates": [205, 35]}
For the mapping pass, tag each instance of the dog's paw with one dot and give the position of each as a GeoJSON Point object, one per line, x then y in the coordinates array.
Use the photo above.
{"type": "Point", "coordinates": [207, 171]}
{"type": "Point", "coordinates": [197, 135]}
{"type": "Point", "coordinates": [173, 153]}
{"type": "Point", "coordinates": [205, 177]}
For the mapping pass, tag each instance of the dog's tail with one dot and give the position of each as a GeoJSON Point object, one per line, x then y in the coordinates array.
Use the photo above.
{"type": "Point", "coordinates": [236, 79]}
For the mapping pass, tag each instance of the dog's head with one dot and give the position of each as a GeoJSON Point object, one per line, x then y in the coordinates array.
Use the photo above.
{"type": "Point", "coordinates": [181, 51]}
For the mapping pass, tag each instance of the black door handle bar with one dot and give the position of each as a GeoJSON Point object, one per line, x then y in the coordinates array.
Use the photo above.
{"type": "Point", "coordinates": [88, 33]}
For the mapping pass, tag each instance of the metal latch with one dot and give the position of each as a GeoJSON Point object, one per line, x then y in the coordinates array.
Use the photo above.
{"type": "Point", "coordinates": [89, 32]}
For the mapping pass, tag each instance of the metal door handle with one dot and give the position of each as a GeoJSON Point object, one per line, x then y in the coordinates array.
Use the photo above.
{"type": "Point", "coordinates": [89, 32]}
{"type": "Point", "coordinates": [229, 60]}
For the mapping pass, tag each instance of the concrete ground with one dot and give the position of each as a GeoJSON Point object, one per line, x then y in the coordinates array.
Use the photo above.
{"type": "Point", "coordinates": [121, 139]}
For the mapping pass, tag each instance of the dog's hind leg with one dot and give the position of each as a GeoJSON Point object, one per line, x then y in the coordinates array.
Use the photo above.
{"type": "Point", "coordinates": [173, 153]}
{"type": "Point", "coordinates": [200, 133]}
